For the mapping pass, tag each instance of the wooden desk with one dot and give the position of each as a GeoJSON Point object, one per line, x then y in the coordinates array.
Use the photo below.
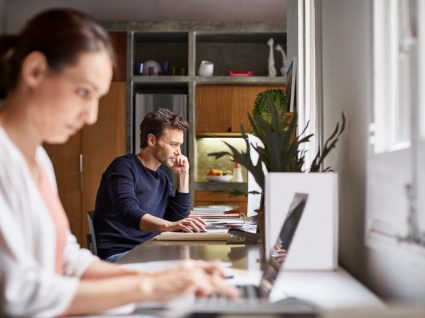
{"type": "Point", "coordinates": [328, 289]}
{"type": "Point", "coordinates": [240, 256]}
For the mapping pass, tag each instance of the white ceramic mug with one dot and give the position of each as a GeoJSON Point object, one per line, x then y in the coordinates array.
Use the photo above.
{"type": "Point", "coordinates": [206, 68]}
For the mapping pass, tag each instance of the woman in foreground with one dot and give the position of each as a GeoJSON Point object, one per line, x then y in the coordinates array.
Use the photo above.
{"type": "Point", "coordinates": [51, 79]}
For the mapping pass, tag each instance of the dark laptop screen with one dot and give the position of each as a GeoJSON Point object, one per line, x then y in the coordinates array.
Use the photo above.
{"type": "Point", "coordinates": [290, 85]}
{"type": "Point", "coordinates": [281, 247]}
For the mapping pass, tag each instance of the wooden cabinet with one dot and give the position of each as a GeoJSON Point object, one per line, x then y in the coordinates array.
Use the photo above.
{"type": "Point", "coordinates": [79, 163]}
{"type": "Point", "coordinates": [119, 42]}
{"type": "Point", "coordinates": [219, 198]}
{"type": "Point", "coordinates": [213, 108]}
{"type": "Point", "coordinates": [101, 143]}
{"type": "Point", "coordinates": [224, 108]}
{"type": "Point", "coordinates": [66, 162]}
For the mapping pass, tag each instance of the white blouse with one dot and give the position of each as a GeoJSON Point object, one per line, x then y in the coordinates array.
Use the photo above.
{"type": "Point", "coordinates": [29, 285]}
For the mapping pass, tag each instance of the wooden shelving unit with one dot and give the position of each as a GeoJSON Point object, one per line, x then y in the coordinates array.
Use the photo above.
{"type": "Point", "coordinates": [230, 46]}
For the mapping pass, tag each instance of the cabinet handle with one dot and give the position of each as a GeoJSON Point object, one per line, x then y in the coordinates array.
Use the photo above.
{"type": "Point", "coordinates": [81, 172]}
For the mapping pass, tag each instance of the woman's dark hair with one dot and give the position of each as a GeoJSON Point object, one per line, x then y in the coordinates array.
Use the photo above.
{"type": "Point", "coordinates": [60, 34]}
{"type": "Point", "coordinates": [157, 121]}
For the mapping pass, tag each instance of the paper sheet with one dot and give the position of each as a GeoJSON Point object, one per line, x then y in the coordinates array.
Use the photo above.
{"type": "Point", "coordinates": [210, 235]}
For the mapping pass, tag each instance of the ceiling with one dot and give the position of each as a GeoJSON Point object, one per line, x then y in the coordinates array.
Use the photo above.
{"type": "Point", "coordinates": [14, 13]}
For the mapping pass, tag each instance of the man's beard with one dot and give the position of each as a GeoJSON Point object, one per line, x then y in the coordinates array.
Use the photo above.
{"type": "Point", "coordinates": [165, 161]}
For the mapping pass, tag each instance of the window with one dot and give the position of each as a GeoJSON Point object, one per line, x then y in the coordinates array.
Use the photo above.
{"type": "Point", "coordinates": [394, 46]}
{"type": "Point", "coordinates": [396, 175]}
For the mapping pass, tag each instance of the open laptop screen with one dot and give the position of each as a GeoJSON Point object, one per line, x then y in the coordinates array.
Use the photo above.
{"type": "Point", "coordinates": [290, 84]}
{"type": "Point", "coordinates": [280, 249]}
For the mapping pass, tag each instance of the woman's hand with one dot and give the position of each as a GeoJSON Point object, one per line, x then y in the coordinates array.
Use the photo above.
{"type": "Point", "coordinates": [197, 277]}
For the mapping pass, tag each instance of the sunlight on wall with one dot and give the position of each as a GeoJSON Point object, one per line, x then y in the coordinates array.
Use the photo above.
{"type": "Point", "coordinates": [208, 145]}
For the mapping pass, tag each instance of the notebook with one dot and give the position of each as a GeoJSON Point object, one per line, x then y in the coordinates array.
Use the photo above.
{"type": "Point", "coordinates": [255, 298]}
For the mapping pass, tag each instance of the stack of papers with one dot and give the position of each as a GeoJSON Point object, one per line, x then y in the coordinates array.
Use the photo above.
{"type": "Point", "coordinates": [216, 211]}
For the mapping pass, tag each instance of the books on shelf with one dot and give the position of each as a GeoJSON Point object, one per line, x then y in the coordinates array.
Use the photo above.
{"type": "Point", "coordinates": [216, 211]}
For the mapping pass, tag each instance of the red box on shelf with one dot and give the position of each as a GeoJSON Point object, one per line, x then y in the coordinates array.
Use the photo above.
{"type": "Point", "coordinates": [241, 73]}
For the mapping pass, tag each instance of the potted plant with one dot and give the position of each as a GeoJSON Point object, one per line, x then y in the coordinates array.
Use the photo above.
{"type": "Point", "coordinates": [277, 96]}
{"type": "Point", "coordinates": [280, 149]}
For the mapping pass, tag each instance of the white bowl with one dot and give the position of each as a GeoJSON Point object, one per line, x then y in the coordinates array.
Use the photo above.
{"type": "Point", "coordinates": [151, 68]}
{"type": "Point", "coordinates": [226, 178]}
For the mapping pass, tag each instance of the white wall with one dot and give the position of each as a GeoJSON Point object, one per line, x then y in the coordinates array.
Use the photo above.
{"type": "Point", "coordinates": [292, 28]}
{"type": "Point", "coordinates": [18, 11]}
{"type": "Point", "coordinates": [347, 79]}
{"type": "Point", "coordinates": [391, 272]}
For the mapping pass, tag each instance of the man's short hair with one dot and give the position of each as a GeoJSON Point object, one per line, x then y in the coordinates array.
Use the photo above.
{"type": "Point", "coordinates": [157, 121]}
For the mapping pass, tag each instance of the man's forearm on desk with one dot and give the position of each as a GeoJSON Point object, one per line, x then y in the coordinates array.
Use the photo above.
{"type": "Point", "coordinates": [150, 223]}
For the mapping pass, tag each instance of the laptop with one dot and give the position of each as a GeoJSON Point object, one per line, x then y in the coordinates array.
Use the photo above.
{"type": "Point", "coordinates": [255, 298]}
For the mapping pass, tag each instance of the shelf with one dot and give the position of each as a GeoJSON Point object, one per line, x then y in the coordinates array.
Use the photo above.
{"type": "Point", "coordinates": [201, 80]}
{"type": "Point", "coordinates": [217, 105]}
{"type": "Point", "coordinates": [161, 46]}
{"type": "Point", "coordinates": [240, 37]}
{"type": "Point", "coordinates": [241, 80]}
{"type": "Point", "coordinates": [219, 135]}
{"type": "Point", "coordinates": [162, 79]}
{"type": "Point", "coordinates": [219, 186]}
{"type": "Point", "coordinates": [238, 51]}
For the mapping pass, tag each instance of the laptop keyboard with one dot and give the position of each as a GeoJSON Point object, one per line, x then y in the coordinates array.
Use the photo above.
{"type": "Point", "coordinates": [212, 226]}
{"type": "Point", "coordinates": [249, 291]}
{"type": "Point", "coordinates": [249, 296]}
{"type": "Point", "coordinates": [248, 227]}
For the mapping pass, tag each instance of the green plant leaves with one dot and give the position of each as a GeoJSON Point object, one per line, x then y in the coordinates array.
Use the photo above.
{"type": "Point", "coordinates": [278, 97]}
{"type": "Point", "coordinates": [244, 158]}
{"type": "Point", "coordinates": [329, 145]}
{"type": "Point", "coordinates": [281, 149]}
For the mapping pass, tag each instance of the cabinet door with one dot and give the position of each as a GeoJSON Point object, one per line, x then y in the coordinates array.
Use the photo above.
{"type": "Point", "coordinates": [221, 108]}
{"type": "Point", "coordinates": [66, 162]}
{"type": "Point", "coordinates": [101, 143]}
{"type": "Point", "coordinates": [213, 108]}
{"type": "Point", "coordinates": [119, 42]}
{"type": "Point", "coordinates": [97, 146]}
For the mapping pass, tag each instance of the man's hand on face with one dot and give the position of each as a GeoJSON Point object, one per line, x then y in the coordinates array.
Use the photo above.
{"type": "Point", "coordinates": [180, 165]}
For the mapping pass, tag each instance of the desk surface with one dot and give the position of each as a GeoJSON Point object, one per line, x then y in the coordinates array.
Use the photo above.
{"type": "Point", "coordinates": [240, 256]}
{"type": "Point", "coordinates": [328, 289]}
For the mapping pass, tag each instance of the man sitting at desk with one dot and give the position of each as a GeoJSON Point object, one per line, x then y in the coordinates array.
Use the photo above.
{"type": "Point", "coordinates": [135, 200]}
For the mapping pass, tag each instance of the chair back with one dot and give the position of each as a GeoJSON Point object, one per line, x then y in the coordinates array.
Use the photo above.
{"type": "Point", "coordinates": [91, 237]}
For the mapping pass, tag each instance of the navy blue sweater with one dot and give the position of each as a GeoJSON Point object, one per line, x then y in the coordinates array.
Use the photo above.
{"type": "Point", "coordinates": [128, 191]}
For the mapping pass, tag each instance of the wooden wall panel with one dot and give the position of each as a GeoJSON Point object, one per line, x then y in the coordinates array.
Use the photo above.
{"type": "Point", "coordinates": [224, 108]}
{"type": "Point", "coordinates": [102, 142]}
{"type": "Point", "coordinates": [213, 108]}
{"type": "Point", "coordinates": [119, 41]}
{"type": "Point", "coordinates": [66, 162]}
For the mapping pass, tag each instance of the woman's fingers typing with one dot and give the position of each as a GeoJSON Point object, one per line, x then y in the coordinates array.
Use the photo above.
{"type": "Point", "coordinates": [201, 278]}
